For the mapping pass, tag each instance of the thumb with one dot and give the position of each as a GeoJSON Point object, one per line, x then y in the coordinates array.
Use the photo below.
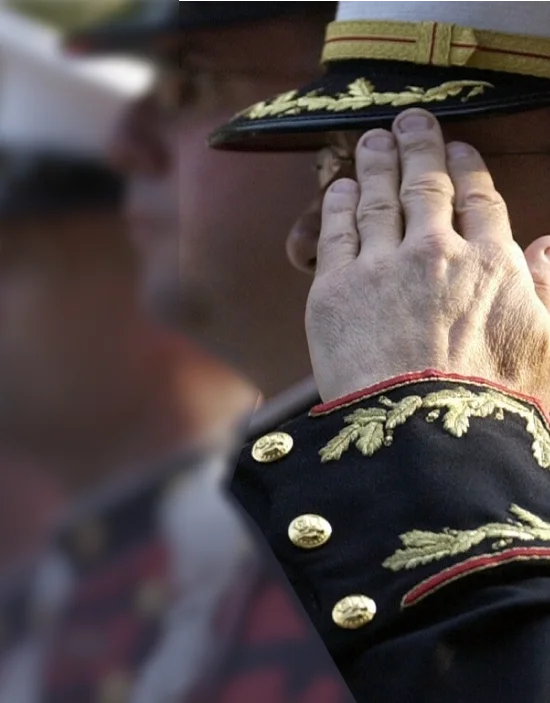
{"type": "Point", "coordinates": [537, 256]}
{"type": "Point", "coordinates": [339, 239]}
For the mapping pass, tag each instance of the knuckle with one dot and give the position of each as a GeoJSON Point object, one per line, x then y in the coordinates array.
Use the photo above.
{"type": "Point", "coordinates": [495, 261]}
{"type": "Point", "coordinates": [335, 204]}
{"type": "Point", "coordinates": [378, 269]}
{"type": "Point", "coordinates": [338, 225]}
{"type": "Point", "coordinates": [434, 249]}
{"type": "Point", "coordinates": [487, 198]}
{"type": "Point", "coordinates": [381, 166]}
{"type": "Point", "coordinates": [436, 245]}
{"type": "Point", "coordinates": [379, 207]}
{"type": "Point", "coordinates": [427, 186]}
{"type": "Point", "coordinates": [419, 146]}
{"type": "Point", "coordinates": [412, 143]}
{"type": "Point", "coordinates": [335, 238]}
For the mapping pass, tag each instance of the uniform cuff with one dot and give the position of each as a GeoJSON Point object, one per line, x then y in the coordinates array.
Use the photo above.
{"type": "Point", "coordinates": [407, 379]}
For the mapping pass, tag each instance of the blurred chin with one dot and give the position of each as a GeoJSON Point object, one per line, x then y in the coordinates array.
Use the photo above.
{"type": "Point", "coordinates": [187, 307]}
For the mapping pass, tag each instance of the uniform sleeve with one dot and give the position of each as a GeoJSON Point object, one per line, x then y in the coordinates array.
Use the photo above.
{"type": "Point", "coordinates": [413, 521]}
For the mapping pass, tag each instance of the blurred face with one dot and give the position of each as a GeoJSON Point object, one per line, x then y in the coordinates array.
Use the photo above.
{"type": "Point", "coordinates": [66, 316]}
{"type": "Point", "coordinates": [210, 226]}
{"type": "Point", "coordinates": [516, 149]}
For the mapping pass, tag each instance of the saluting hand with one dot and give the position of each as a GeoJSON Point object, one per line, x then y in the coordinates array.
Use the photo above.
{"type": "Point", "coordinates": [417, 268]}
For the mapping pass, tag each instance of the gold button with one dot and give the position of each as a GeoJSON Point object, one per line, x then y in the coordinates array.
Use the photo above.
{"type": "Point", "coordinates": [354, 612]}
{"type": "Point", "coordinates": [309, 531]}
{"type": "Point", "coordinates": [272, 447]}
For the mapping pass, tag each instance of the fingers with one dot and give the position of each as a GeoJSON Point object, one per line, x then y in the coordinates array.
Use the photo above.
{"type": "Point", "coordinates": [481, 213]}
{"type": "Point", "coordinates": [379, 219]}
{"type": "Point", "coordinates": [426, 190]}
{"type": "Point", "coordinates": [537, 256]}
{"type": "Point", "coordinates": [339, 238]}
{"type": "Point", "coordinates": [439, 191]}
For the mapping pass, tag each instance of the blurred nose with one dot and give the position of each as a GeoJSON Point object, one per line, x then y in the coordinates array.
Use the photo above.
{"type": "Point", "coordinates": [138, 145]}
{"type": "Point", "coordinates": [301, 243]}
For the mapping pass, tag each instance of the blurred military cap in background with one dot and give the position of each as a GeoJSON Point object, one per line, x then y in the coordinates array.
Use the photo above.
{"type": "Point", "coordinates": [56, 117]}
{"type": "Point", "coordinates": [40, 183]}
{"type": "Point", "coordinates": [137, 25]}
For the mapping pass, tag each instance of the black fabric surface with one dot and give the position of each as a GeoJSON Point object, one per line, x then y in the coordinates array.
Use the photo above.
{"type": "Point", "coordinates": [484, 637]}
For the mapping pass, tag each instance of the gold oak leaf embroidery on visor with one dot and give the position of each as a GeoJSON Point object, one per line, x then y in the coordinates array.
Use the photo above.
{"type": "Point", "coordinates": [361, 94]}
{"type": "Point", "coordinates": [371, 429]}
{"type": "Point", "coordinates": [423, 547]}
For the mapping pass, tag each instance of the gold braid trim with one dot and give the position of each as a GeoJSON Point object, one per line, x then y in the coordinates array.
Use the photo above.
{"type": "Point", "coordinates": [361, 94]}
{"type": "Point", "coordinates": [422, 547]}
{"type": "Point", "coordinates": [371, 429]}
{"type": "Point", "coordinates": [438, 44]}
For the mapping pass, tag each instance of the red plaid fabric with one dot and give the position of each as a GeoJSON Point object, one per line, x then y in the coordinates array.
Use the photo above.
{"type": "Point", "coordinates": [119, 635]}
{"type": "Point", "coordinates": [275, 656]}
{"type": "Point", "coordinates": [107, 629]}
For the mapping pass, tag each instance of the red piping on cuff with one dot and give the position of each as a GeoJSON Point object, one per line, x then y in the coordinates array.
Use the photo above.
{"type": "Point", "coordinates": [472, 566]}
{"type": "Point", "coordinates": [412, 377]}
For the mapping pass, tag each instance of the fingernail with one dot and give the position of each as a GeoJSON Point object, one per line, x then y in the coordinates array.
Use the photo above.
{"type": "Point", "coordinates": [379, 142]}
{"type": "Point", "coordinates": [344, 185]}
{"type": "Point", "coordinates": [415, 123]}
{"type": "Point", "coordinates": [458, 150]}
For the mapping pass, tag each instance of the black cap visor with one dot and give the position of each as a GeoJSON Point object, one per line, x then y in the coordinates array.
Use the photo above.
{"type": "Point", "coordinates": [362, 94]}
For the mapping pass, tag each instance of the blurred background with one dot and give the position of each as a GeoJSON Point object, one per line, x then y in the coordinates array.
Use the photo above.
{"type": "Point", "coordinates": [142, 323]}
{"type": "Point", "coordinates": [87, 379]}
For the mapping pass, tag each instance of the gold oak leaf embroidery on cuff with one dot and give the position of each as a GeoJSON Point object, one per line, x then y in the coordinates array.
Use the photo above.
{"type": "Point", "coordinates": [361, 94]}
{"type": "Point", "coordinates": [423, 547]}
{"type": "Point", "coordinates": [371, 429]}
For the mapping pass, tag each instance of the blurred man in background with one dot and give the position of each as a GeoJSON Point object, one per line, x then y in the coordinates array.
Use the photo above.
{"type": "Point", "coordinates": [81, 366]}
{"type": "Point", "coordinates": [198, 216]}
{"type": "Point", "coordinates": [155, 588]}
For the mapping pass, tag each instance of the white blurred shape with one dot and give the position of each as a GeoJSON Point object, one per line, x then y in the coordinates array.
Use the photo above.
{"type": "Point", "coordinates": [49, 100]}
